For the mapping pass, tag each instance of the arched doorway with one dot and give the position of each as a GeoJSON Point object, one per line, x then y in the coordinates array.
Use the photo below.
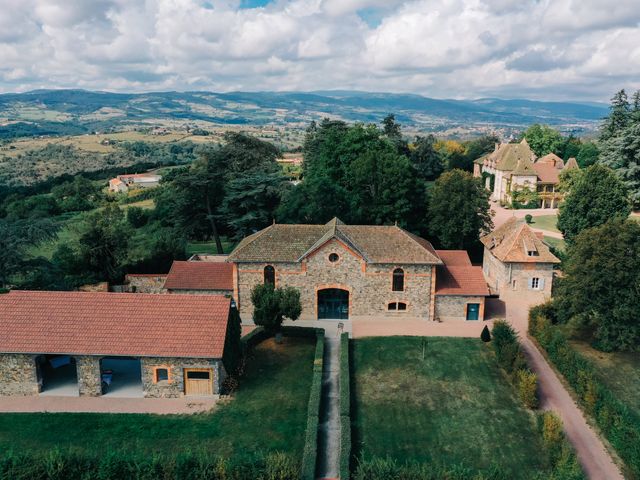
{"type": "Point", "coordinates": [333, 303]}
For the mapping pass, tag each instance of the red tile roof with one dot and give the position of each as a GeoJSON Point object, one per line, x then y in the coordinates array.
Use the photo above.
{"type": "Point", "coordinates": [454, 258]}
{"type": "Point", "coordinates": [461, 281]}
{"type": "Point", "coordinates": [547, 173]}
{"type": "Point", "coordinates": [200, 276]}
{"type": "Point", "coordinates": [98, 323]}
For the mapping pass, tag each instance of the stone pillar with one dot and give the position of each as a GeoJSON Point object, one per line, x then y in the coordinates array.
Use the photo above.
{"type": "Point", "coordinates": [18, 374]}
{"type": "Point", "coordinates": [89, 379]}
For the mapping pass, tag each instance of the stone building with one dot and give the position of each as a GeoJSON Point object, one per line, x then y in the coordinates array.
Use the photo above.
{"type": "Point", "coordinates": [205, 277]}
{"type": "Point", "coordinates": [517, 260]}
{"type": "Point", "coordinates": [513, 167]}
{"type": "Point", "coordinates": [342, 271]}
{"type": "Point", "coordinates": [118, 344]}
{"type": "Point", "coordinates": [461, 289]}
{"type": "Point", "coordinates": [144, 282]}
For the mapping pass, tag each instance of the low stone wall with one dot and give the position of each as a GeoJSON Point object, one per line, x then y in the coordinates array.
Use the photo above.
{"type": "Point", "coordinates": [146, 283]}
{"type": "Point", "coordinates": [174, 386]}
{"type": "Point", "coordinates": [227, 293]}
{"type": "Point", "coordinates": [18, 375]}
{"type": "Point", "coordinates": [89, 378]}
{"type": "Point", "coordinates": [454, 307]}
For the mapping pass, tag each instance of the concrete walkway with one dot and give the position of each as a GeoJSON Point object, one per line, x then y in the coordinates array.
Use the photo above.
{"type": "Point", "coordinates": [328, 460]}
{"type": "Point", "coordinates": [594, 458]}
{"type": "Point", "coordinates": [33, 404]}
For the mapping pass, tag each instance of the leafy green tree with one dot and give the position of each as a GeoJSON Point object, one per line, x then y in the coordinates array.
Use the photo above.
{"type": "Point", "coordinates": [543, 140]}
{"type": "Point", "coordinates": [103, 243]}
{"type": "Point", "coordinates": [459, 210]}
{"type": "Point", "coordinates": [596, 196]}
{"type": "Point", "coordinates": [425, 159]}
{"type": "Point", "coordinates": [480, 146]}
{"type": "Point", "coordinates": [588, 154]}
{"type": "Point", "coordinates": [391, 128]}
{"type": "Point", "coordinates": [137, 216]}
{"type": "Point", "coordinates": [15, 240]}
{"type": "Point", "coordinates": [307, 202]}
{"type": "Point", "coordinates": [619, 116]}
{"type": "Point", "coordinates": [271, 305]}
{"type": "Point", "coordinates": [599, 290]}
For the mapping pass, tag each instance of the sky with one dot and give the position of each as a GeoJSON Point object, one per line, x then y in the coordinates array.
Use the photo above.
{"type": "Point", "coordinates": [538, 49]}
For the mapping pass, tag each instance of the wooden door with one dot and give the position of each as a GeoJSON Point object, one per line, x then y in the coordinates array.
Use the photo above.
{"type": "Point", "coordinates": [198, 381]}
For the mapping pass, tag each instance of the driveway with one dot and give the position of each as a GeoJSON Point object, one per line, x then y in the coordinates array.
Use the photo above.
{"type": "Point", "coordinates": [593, 457]}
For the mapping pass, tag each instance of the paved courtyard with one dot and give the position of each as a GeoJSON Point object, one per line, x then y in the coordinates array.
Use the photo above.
{"type": "Point", "coordinates": [42, 403]}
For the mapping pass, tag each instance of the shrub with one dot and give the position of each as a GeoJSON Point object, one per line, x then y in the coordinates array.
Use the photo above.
{"type": "Point", "coordinates": [345, 407]}
{"type": "Point", "coordinates": [560, 454]}
{"type": "Point", "coordinates": [618, 424]}
{"type": "Point", "coordinates": [137, 217]}
{"type": "Point", "coordinates": [485, 336]}
{"type": "Point", "coordinates": [272, 305]}
{"type": "Point", "coordinates": [527, 384]}
{"type": "Point", "coordinates": [310, 451]}
{"type": "Point", "coordinates": [505, 345]}
{"type": "Point", "coordinates": [528, 218]}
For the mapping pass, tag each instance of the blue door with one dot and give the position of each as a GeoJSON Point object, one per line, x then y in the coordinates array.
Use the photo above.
{"type": "Point", "coordinates": [473, 311]}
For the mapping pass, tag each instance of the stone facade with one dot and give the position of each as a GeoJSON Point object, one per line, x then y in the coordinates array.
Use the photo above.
{"type": "Point", "coordinates": [516, 276]}
{"type": "Point", "coordinates": [18, 374]}
{"type": "Point", "coordinates": [146, 283]}
{"type": "Point", "coordinates": [454, 307]}
{"type": "Point", "coordinates": [369, 285]}
{"type": "Point", "coordinates": [226, 293]}
{"type": "Point", "coordinates": [174, 386]}
{"type": "Point", "coordinates": [89, 378]}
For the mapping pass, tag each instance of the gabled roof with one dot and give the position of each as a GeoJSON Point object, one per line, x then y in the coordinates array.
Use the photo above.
{"type": "Point", "coordinates": [571, 164]}
{"type": "Point", "coordinates": [376, 244]}
{"type": "Point", "coordinates": [200, 276]}
{"type": "Point", "coordinates": [546, 172]}
{"type": "Point", "coordinates": [551, 159]}
{"type": "Point", "coordinates": [511, 241]}
{"type": "Point", "coordinates": [508, 155]}
{"type": "Point", "coordinates": [524, 167]}
{"type": "Point", "coordinates": [120, 324]}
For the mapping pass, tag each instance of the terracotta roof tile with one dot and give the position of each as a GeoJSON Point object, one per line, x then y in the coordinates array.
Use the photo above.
{"type": "Point", "coordinates": [200, 276]}
{"type": "Point", "coordinates": [546, 172]}
{"type": "Point", "coordinates": [454, 258]}
{"type": "Point", "coordinates": [466, 280]}
{"type": "Point", "coordinates": [124, 324]}
{"type": "Point", "coordinates": [511, 241]}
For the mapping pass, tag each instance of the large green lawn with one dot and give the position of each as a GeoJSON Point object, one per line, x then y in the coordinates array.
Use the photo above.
{"type": "Point", "coordinates": [454, 407]}
{"type": "Point", "coordinates": [546, 222]}
{"type": "Point", "coordinates": [618, 371]}
{"type": "Point", "coordinates": [268, 413]}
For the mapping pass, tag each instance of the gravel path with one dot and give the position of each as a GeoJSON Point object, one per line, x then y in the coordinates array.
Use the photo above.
{"type": "Point", "coordinates": [594, 458]}
{"type": "Point", "coordinates": [328, 463]}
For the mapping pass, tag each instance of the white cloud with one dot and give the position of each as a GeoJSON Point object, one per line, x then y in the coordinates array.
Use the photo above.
{"type": "Point", "coordinates": [444, 48]}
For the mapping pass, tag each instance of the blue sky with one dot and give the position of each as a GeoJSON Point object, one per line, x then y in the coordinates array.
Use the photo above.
{"type": "Point", "coordinates": [540, 49]}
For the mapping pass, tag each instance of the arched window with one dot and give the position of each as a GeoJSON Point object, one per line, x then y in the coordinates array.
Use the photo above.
{"type": "Point", "coordinates": [398, 280]}
{"type": "Point", "coordinates": [269, 275]}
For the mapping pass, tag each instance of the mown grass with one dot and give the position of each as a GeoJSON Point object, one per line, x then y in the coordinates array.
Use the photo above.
{"type": "Point", "coordinates": [268, 414]}
{"type": "Point", "coordinates": [209, 247]}
{"type": "Point", "coordinates": [556, 242]}
{"type": "Point", "coordinates": [546, 222]}
{"type": "Point", "coordinates": [454, 407]}
{"type": "Point", "coordinates": [619, 371]}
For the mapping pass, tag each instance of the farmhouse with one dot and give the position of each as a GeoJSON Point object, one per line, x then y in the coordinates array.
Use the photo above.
{"type": "Point", "coordinates": [355, 271]}
{"type": "Point", "coordinates": [516, 259]}
{"type": "Point", "coordinates": [122, 183]}
{"type": "Point", "coordinates": [513, 168]}
{"type": "Point", "coordinates": [118, 344]}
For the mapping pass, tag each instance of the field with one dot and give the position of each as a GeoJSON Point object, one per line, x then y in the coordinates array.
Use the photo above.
{"type": "Point", "coordinates": [546, 222]}
{"type": "Point", "coordinates": [268, 414]}
{"type": "Point", "coordinates": [618, 371]}
{"type": "Point", "coordinates": [556, 243]}
{"type": "Point", "coordinates": [454, 407]}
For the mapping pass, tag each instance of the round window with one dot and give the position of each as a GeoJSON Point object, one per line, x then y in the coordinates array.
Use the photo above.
{"type": "Point", "coordinates": [333, 257]}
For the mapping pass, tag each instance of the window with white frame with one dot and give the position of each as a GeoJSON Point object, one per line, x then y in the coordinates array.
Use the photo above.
{"type": "Point", "coordinates": [535, 283]}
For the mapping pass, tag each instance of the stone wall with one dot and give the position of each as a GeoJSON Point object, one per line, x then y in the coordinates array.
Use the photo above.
{"type": "Point", "coordinates": [18, 374]}
{"type": "Point", "coordinates": [89, 378]}
{"type": "Point", "coordinates": [146, 283]}
{"type": "Point", "coordinates": [515, 276]}
{"type": "Point", "coordinates": [454, 307]}
{"type": "Point", "coordinates": [174, 387]}
{"type": "Point", "coordinates": [369, 285]}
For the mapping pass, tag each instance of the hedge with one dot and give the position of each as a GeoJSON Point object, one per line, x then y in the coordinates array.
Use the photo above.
{"type": "Point", "coordinates": [562, 459]}
{"type": "Point", "coordinates": [389, 469]}
{"type": "Point", "coordinates": [310, 452]}
{"type": "Point", "coordinates": [70, 465]}
{"type": "Point", "coordinates": [345, 407]}
{"type": "Point", "coordinates": [619, 425]}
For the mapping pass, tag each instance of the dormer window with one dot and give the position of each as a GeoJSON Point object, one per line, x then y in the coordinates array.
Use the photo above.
{"type": "Point", "coordinates": [532, 253]}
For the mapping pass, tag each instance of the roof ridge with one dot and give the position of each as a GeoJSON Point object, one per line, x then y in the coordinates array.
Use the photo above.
{"type": "Point", "coordinates": [411, 237]}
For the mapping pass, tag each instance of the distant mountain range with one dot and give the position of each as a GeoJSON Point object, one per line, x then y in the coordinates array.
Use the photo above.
{"type": "Point", "coordinates": [44, 112]}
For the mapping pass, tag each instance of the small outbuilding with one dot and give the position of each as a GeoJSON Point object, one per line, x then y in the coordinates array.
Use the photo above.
{"type": "Point", "coordinates": [89, 344]}
{"type": "Point", "coordinates": [202, 277]}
